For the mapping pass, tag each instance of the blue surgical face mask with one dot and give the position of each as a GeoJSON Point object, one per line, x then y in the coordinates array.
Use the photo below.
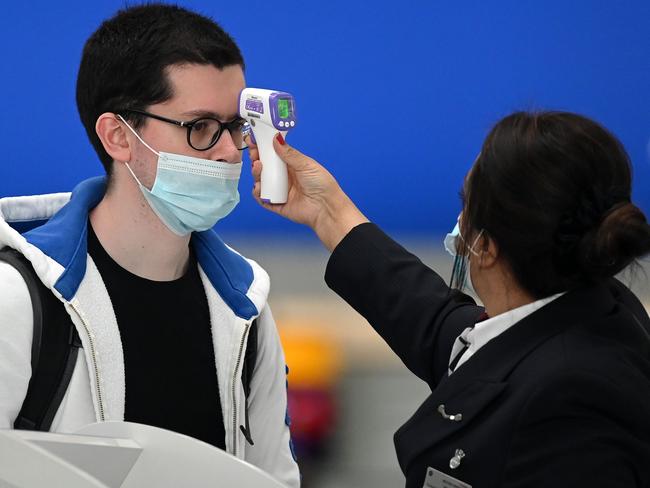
{"type": "Point", "coordinates": [451, 240]}
{"type": "Point", "coordinates": [190, 194]}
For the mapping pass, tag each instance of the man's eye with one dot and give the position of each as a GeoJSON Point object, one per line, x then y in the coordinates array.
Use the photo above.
{"type": "Point", "coordinates": [200, 126]}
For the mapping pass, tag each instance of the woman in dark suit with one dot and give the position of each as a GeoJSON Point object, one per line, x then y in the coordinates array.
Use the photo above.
{"type": "Point", "coordinates": [548, 384]}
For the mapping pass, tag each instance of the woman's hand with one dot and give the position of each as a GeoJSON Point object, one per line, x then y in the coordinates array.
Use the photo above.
{"type": "Point", "coordinates": [315, 198]}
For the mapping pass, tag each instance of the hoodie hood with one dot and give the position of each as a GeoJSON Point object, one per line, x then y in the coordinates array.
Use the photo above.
{"type": "Point", "coordinates": [54, 231]}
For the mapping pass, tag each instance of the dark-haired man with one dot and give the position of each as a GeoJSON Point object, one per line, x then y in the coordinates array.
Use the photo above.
{"type": "Point", "coordinates": [162, 306]}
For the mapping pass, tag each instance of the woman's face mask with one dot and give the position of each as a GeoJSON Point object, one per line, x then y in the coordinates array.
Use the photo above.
{"type": "Point", "coordinates": [453, 242]}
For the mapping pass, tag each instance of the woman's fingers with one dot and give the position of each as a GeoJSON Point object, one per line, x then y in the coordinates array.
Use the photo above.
{"type": "Point", "coordinates": [256, 170]}
{"type": "Point", "coordinates": [253, 152]}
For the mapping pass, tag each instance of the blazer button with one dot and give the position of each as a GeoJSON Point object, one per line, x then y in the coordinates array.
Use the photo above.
{"type": "Point", "coordinates": [454, 462]}
{"type": "Point", "coordinates": [457, 417]}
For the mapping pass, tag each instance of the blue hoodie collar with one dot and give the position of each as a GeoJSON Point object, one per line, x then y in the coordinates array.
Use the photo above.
{"type": "Point", "coordinates": [64, 238]}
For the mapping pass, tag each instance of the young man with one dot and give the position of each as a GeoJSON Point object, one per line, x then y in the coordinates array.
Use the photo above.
{"type": "Point", "coordinates": [162, 306]}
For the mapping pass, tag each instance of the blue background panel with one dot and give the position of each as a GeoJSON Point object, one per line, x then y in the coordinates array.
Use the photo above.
{"type": "Point", "coordinates": [394, 98]}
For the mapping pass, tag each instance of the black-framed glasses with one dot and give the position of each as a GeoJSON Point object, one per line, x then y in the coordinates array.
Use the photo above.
{"type": "Point", "coordinates": [204, 132]}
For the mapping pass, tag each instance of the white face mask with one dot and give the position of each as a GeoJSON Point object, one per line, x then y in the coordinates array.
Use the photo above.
{"type": "Point", "coordinates": [190, 194]}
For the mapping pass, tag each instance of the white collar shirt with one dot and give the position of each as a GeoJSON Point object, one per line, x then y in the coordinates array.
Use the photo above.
{"type": "Point", "coordinates": [483, 332]}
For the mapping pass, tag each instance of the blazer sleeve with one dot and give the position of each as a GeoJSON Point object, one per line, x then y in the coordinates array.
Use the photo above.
{"type": "Point", "coordinates": [406, 302]}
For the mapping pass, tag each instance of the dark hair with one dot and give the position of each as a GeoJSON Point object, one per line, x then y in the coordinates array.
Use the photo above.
{"type": "Point", "coordinates": [553, 189]}
{"type": "Point", "coordinates": [123, 65]}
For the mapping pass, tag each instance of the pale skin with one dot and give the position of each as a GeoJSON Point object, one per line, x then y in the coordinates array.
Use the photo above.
{"type": "Point", "coordinates": [130, 232]}
{"type": "Point", "coordinates": [316, 200]}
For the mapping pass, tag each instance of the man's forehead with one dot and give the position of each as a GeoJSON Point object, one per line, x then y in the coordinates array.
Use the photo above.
{"type": "Point", "coordinates": [205, 91]}
{"type": "Point", "coordinates": [197, 113]}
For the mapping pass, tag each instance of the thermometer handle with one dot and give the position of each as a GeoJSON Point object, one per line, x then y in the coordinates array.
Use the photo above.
{"type": "Point", "coordinates": [274, 179]}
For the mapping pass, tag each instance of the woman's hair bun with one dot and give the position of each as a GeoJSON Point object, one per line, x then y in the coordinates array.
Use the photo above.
{"type": "Point", "coordinates": [622, 236]}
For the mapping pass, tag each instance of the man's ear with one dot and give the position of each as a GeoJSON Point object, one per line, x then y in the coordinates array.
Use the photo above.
{"type": "Point", "coordinates": [113, 136]}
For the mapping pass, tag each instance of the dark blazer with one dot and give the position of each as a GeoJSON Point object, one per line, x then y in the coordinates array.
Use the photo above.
{"type": "Point", "coordinates": [561, 399]}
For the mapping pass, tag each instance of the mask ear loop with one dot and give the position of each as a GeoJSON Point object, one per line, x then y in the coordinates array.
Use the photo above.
{"type": "Point", "coordinates": [471, 248]}
{"type": "Point", "coordinates": [133, 174]}
{"type": "Point", "coordinates": [126, 163]}
{"type": "Point", "coordinates": [138, 136]}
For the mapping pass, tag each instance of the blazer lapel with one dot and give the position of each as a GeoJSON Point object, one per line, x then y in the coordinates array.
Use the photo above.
{"type": "Point", "coordinates": [481, 380]}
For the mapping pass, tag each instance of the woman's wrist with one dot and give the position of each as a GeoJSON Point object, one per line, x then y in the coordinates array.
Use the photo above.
{"type": "Point", "coordinates": [337, 218]}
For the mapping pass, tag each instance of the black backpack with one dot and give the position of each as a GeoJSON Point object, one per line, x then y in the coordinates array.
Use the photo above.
{"type": "Point", "coordinates": [55, 347]}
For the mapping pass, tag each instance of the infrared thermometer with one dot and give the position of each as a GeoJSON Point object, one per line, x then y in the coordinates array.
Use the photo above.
{"type": "Point", "coordinates": [269, 112]}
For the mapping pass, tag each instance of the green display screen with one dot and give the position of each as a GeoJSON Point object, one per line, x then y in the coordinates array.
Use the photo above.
{"type": "Point", "coordinates": [283, 108]}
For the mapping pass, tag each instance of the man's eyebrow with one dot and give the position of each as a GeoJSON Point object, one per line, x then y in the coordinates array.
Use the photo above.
{"type": "Point", "coordinates": [208, 113]}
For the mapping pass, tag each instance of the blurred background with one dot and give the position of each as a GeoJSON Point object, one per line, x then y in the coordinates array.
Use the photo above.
{"type": "Point", "coordinates": [395, 99]}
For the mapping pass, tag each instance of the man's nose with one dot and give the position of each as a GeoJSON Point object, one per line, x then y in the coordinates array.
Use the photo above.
{"type": "Point", "coordinates": [226, 150]}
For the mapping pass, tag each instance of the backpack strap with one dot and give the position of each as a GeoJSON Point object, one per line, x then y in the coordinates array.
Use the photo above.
{"type": "Point", "coordinates": [55, 347]}
{"type": "Point", "coordinates": [24, 267]}
{"type": "Point", "coordinates": [250, 359]}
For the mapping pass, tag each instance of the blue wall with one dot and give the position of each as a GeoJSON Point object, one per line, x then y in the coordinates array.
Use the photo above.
{"type": "Point", "coordinates": [394, 97]}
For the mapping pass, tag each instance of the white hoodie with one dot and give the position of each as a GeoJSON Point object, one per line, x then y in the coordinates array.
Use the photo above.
{"type": "Point", "coordinates": [236, 290]}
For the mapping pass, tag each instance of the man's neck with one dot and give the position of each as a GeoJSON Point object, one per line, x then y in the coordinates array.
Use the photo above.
{"type": "Point", "coordinates": [135, 238]}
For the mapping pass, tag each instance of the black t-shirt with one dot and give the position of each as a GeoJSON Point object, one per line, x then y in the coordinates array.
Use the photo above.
{"type": "Point", "coordinates": [171, 376]}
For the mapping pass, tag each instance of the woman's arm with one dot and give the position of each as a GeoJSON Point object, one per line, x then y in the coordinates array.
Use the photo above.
{"type": "Point", "coordinates": [406, 302]}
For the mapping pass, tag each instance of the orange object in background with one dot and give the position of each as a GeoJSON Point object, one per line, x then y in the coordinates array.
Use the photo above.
{"type": "Point", "coordinates": [315, 365]}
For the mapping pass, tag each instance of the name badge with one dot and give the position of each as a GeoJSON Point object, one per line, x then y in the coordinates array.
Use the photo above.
{"type": "Point", "coordinates": [438, 479]}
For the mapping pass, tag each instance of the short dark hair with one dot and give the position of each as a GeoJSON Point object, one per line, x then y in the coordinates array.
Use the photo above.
{"type": "Point", "coordinates": [123, 65]}
{"type": "Point", "coordinates": [553, 189]}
